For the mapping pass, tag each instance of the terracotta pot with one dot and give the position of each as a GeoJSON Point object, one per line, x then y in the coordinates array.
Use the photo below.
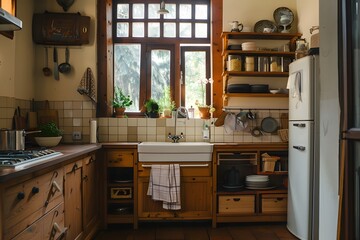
{"type": "Point", "coordinates": [204, 112]}
{"type": "Point", "coordinates": [119, 112]}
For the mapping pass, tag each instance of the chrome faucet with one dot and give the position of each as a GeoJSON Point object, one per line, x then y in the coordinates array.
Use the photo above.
{"type": "Point", "coordinates": [183, 111]}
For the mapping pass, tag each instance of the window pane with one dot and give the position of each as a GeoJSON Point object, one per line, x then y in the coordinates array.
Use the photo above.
{"type": "Point", "coordinates": [169, 30]}
{"type": "Point", "coordinates": [195, 73]}
{"type": "Point", "coordinates": [185, 30]}
{"type": "Point", "coordinates": [201, 12]}
{"type": "Point", "coordinates": [201, 30]}
{"type": "Point", "coordinates": [152, 11]}
{"type": "Point", "coordinates": [123, 11]}
{"type": "Point", "coordinates": [127, 71]}
{"type": "Point", "coordinates": [154, 29]}
{"type": "Point", "coordinates": [138, 11]}
{"type": "Point", "coordinates": [122, 30]}
{"type": "Point", "coordinates": [138, 29]}
{"type": "Point", "coordinates": [160, 72]}
{"type": "Point", "coordinates": [185, 11]}
{"type": "Point", "coordinates": [172, 11]}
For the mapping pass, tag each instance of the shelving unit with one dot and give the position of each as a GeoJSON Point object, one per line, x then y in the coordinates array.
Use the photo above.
{"type": "Point", "coordinates": [249, 205]}
{"type": "Point", "coordinates": [239, 37]}
{"type": "Point", "coordinates": [121, 180]}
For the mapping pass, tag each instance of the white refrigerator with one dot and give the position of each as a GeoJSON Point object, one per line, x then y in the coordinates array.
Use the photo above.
{"type": "Point", "coordinates": [302, 219]}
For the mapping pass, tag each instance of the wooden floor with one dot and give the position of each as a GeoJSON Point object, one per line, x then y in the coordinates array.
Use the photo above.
{"type": "Point", "coordinates": [197, 231]}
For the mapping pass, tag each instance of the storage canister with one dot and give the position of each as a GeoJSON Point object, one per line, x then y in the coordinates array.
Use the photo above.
{"type": "Point", "coordinates": [249, 64]}
{"type": "Point", "coordinates": [275, 64]}
{"type": "Point", "coordinates": [263, 64]}
{"type": "Point", "coordinates": [234, 63]}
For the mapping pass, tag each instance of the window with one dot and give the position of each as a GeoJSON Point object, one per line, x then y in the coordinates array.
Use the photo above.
{"type": "Point", "coordinates": [147, 48]}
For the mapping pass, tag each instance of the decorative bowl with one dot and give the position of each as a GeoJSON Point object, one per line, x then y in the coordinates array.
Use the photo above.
{"type": "Point", "coordinates": [48, 141]}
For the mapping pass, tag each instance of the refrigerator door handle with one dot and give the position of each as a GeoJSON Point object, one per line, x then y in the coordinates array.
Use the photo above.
{"type": "Point", "coordinates": [301, 148]}
{"type": "Point", "coordinates": [299, 125]}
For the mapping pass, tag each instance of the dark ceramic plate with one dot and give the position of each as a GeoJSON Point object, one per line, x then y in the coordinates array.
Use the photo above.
{"type": "Point", "coordinates": [260, 25]}
{"type": "Point", "coordinates": [269, 125]}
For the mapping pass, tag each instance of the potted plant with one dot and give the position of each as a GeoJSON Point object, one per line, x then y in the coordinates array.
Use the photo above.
{"type": "Point", "coordinates": [120, 102]}
{"type": "Point", "coordinates": [152, 108]}
{"type": "Point", "coordinates": [49, 136]}
{"type": "Point", "coordinates": [166, 104]}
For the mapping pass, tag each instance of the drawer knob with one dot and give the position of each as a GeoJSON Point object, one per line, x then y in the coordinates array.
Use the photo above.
{"type": "Point", "coordinates": [236, 199]}
{"type": "Point", "coordinates": [20, 195]}
{"type": "Point", "coordinates": [35, 190]}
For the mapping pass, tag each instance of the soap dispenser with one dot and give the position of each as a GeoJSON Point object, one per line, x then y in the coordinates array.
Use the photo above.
{"type": "Point", "coordinates": [206, 132]}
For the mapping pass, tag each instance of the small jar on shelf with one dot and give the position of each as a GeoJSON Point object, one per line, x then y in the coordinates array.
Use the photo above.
{"type": "Point", "coordinates": [234, 63]}
{"type": "Point", "coordinates": [275, 64]}
{"type": "Point", "coordinates": [249, 64]}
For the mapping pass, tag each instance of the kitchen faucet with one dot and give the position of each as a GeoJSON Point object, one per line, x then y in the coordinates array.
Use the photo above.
{"type": "Point", "coordinates": [183, 111]}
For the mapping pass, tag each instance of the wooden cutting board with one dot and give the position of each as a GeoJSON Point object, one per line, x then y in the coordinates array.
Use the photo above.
{"type": "Point", "coordinates": [284, 121]}
{"type": "Point", "coordinates": [19, 122]}
{"type": "Point", "coordinates": [47, 115]}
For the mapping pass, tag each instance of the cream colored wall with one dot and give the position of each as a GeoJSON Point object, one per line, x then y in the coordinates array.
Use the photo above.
{"type": "Point", "coordinates": [7, 66]}
{"type": "Point", "coordinates": [81, 57]}
{"type": "Point", "coordinates": [308, 13]}
{"type": "Point", "coordinates": [249, 12]}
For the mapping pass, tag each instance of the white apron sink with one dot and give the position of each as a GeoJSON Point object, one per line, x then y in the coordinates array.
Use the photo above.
{"type": "Point", "coordinates": [175, 152]}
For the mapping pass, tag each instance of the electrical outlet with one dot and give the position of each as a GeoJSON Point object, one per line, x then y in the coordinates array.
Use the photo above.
{"type": "Point", "coordinates": [76, 135]}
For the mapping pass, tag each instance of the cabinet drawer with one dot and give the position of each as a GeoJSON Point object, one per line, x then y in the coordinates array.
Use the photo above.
{"type": "Point", "coordinates": [271, 203]}
{"type": "Point", "coordinates": [237, 204]}
{"type": "Point", "coordinates": [193, 169]}
{"type": "Point", "coordinates": [50, 226]}
{"type": "Point", "coordinates": [26, 202]}
{"type": "Point", "coordinates": [120, 159]}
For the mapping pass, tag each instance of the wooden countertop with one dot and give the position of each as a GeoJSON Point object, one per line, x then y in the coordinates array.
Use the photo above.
{"type": "Point", "coordinates": [69, 152]}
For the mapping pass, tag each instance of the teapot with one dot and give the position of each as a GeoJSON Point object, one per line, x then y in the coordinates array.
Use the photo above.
{"type": "Point", "coordinates": [236, 26]}
{"type": "Point", "coordinates": [232, 177]}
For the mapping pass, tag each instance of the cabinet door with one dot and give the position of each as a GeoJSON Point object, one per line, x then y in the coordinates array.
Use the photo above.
{"type": "Point", "coordinates": [73, 199]}
{"type": "Point", "coordinates": [90, 192]}
{"type": "Point", "coordinates": [195, 200]}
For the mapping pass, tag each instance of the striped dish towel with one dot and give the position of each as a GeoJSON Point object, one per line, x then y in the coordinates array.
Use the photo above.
{"type": "Point", "coordinates": [164, 185]}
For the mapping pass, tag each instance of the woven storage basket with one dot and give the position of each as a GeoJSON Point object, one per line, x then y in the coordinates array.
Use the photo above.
{"type": "Point", "coordinates": [269, 163]}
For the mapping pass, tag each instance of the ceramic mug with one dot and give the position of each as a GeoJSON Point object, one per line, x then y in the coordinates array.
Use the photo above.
{"type": "Point", "coordinates": [267, 30]}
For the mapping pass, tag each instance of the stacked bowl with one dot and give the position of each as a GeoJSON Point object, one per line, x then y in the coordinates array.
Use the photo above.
{"type": "Point", "coordinates": [257, 181]}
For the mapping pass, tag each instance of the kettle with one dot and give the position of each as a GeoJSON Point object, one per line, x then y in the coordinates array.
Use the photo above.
{"type": "Point", "coordinates": [236, 26]}
{"type": "Point", "coordinates": [232, 177]}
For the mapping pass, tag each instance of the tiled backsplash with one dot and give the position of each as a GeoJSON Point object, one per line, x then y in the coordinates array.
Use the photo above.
{"type": "Point", "coordinates": [76, 116]}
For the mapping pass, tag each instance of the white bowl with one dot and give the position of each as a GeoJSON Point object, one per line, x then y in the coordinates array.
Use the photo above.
{"type": "Point", "coordinates": [274, 91]}
{"type": "Point", "coordinates": [48, 141]}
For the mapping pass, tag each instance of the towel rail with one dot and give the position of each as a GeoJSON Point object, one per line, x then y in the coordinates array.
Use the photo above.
{"type": "Point", "coordinates": [181, 165]}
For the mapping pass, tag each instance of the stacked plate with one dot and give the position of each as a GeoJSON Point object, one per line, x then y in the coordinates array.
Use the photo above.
{"type": "Point", "coordinates": [257, 182]}
{"type": "Point", "coordinates": [248, 46]}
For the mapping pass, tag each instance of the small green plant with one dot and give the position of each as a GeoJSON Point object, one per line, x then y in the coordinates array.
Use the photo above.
{"type": "Point", "coordinates": [50, 130]}
{"type": "Point", "coordinates": [120, 99]}
{"type": "Point", "coordinates": [165, 102]}
{"type": "Point", "coordinates": [152, 108]}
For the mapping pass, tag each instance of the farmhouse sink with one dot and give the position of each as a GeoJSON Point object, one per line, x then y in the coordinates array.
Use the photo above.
{"type": "Point", "coordinates": [175, 152]}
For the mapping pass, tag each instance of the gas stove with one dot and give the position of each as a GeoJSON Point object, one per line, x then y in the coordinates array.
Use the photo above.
{"type": "Point", "coordinates": [14, 159]}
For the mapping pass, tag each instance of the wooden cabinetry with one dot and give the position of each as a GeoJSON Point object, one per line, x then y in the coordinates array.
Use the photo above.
{"type": "Point", "coordinates": [274, 39]}
{"type": "Point", "coordinates": [27, 204]}
{"type": "Point", "coordinates": [195, 191]}
{"type": "Point", "coordinates": [81, 198]}
{"type": "Point", "coordinates": [243, 203]}
{"type": "Point", "coordinates": [121, 185]}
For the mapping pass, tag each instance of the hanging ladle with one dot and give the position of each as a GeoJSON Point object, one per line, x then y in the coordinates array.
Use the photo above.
{"type": "Point", "coordinates": [46, 69]}
{"type": "Point", "coordinates": [65, 67]}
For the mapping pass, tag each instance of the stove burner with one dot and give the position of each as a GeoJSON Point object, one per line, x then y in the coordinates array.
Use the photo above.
{"type": "Point", "coordinates": [13, 159]}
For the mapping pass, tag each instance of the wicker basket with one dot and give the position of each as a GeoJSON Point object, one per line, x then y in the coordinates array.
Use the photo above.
{"type": "Point", "coordinates": [284, 135]}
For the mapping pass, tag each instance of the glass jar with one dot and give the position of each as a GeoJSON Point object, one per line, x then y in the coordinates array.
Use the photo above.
{"type": "Point", "coordinates": [234, 63]}
{"type": "Point", "coordinates": [275, 64]}
{"type": "Point", "coordinates": [249, 64]}
{"type": "Point", "coordinates": [263, 64]}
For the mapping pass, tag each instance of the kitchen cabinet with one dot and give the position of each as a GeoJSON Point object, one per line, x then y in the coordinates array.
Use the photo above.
{"type": "Point", "coordinates": [120, 184]}
{"type": "Point", "coordinates": [272, 40]}
{"type": "Point", "coordinates": [9, 6]}
{"type": "Point", "coordinates": [242, 203]}
{"type": "Point", "coordinates": [26, 205]}
{"type": "Point", "coordinates": [81, 197]}
{"type": "Point", "coordinates": [195, 191]}
{"type": "Point", "coordinates": [73, 199]}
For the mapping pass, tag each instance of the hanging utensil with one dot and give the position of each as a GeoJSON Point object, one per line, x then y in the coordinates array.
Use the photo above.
{"type": "Point", "coordinates": [56, 70]}
{"type": "Point", "coordinates": [65, 67]}
{"type": "Point", "coordinates": [220, 121]}
{"type": "Point", "coordinates": [46, 69]}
